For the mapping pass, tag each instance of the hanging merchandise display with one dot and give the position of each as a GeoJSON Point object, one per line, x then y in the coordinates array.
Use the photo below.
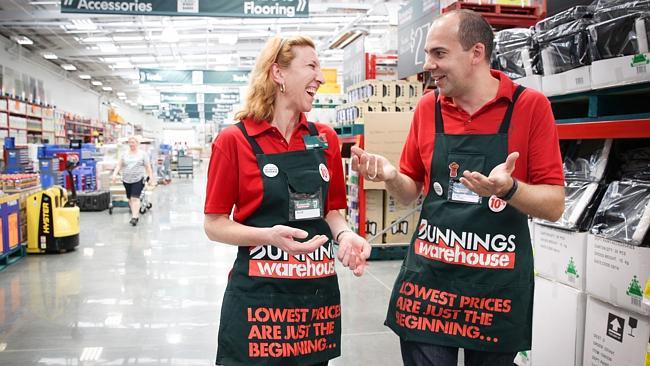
{"type": "Point", "coordinates": [624, 213]}
{"type": "Point", "coordinates": [516, 53]}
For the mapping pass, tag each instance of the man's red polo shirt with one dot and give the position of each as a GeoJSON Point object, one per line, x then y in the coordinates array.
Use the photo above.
{"type": "Point", "coordinates": [234, 178]}
{"type": "Point", "coordinates": [532, 133]}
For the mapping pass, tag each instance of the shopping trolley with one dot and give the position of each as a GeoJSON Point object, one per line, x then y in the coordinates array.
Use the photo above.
{"type": "Point", "coordinates": [118, 197]}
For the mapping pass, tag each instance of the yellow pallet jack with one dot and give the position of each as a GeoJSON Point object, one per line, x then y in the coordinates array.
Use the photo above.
{"type": "Point", "coordinates": [53, 219]}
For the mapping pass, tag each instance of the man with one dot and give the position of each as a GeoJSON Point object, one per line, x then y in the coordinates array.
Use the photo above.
{"type": "Point", "coordinates": [467, 280]}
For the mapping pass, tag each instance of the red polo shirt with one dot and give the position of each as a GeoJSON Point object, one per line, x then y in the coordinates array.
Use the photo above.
{"type": "Point", "coordinates": [234, 178]}
{"type": "Point", "coordinates": [532, 133]}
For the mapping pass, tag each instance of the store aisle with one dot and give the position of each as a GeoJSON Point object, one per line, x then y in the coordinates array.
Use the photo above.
{"type": "Point", "coordinates": [151, 295]}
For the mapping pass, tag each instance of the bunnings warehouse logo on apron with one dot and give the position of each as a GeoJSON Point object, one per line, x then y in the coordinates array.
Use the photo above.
{"type": "Point", "coordinates": [465, 248]}
{"type": "Point", "coordinates": [270, 261]}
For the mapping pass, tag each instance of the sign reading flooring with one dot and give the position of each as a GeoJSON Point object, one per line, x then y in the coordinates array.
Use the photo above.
{"type": "Point", "coordinates": [217, 8]}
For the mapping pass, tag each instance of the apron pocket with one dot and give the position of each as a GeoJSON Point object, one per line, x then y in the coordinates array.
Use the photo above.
{"type": "Point", "coordinates": [304, 181]}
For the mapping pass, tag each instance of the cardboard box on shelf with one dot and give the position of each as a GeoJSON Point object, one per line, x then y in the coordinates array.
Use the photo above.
{"type": "Point", "coordinates": [402, 219]}
{"type": "Point", "coordinates": [560, 255]}
{"type": "Point", "coordinates": [558, 324]}
{"type": "Point", "coordinates": [617, 273]}
{"type": "Point", "coordinates": [531, 81]}
{"type": "Point", "coordinates": [571, 81]}
{"type": "Point", "coordinates": [614, 336]}
{"type": "Point", "coordinates": [620, 71]}
{"type": "Point", "coordinates": [385, 134]}
{"type": "Point", "coordinates": [374, 214]}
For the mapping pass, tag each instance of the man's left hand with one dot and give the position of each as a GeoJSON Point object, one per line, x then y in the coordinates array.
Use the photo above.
{"type": "Point", "coordinates": [353, 252]}
{"type": "Point", "coordinates": [498, 183]}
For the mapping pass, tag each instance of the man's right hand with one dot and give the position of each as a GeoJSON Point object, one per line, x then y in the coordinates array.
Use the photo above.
{"type": "Point", "coordinates": [283, 237]}
{"type": "Point", "coordinates": [372, 167]}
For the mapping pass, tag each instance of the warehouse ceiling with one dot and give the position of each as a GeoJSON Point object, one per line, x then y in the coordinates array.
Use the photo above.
{"type": "Point", "coordinates": [111, 48]}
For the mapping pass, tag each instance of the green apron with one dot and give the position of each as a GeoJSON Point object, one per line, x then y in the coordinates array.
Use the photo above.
{"type": "Point", "coordinates": [280, 309]}
{"type": "Point", "coordinates": [467, 280]}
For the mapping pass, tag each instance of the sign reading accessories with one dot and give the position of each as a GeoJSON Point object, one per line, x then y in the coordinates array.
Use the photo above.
{"type": "Point", "coordinates": [220, 8]}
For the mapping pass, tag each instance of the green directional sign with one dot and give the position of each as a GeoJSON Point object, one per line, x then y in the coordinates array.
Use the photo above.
{"type": "Point", "coordinates": [225, 77]}
{"type": "Point", "coordinates": [178, 98]}
{"type": "Point", "coordinates": [222, 98]}
{"type": "Point", "coordinates": [217, 8]}
{"type": "Point", "coordinates": [157, 76]}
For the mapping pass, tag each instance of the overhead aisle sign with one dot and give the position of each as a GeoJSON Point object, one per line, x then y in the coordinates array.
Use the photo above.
{"type": "Point", "coordinates": [414, 21]}
{"type": "Point", "coordinates": [217, 8]}
{"type": "Point", "coordinates": [196, 77]}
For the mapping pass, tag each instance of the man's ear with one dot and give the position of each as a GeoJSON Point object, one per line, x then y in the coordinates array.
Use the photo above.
{"type": "Point", "coordinates": [478, 53]}
{"type": "Point", "coordinates": [276, 74]}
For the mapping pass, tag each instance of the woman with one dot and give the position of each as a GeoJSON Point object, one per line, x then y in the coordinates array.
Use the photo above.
{"type": "Point", "coordinates": [284, 177]}
{"type": "Point", "coordinates": [135, 164]}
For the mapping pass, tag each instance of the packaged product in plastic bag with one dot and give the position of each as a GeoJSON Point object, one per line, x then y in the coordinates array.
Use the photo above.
{"type": "Point", "coordinates": [516, 53]}
{"type": "Point", "coordinates": [565, 47]}
{"type": "Point", "coordinates": [581, 201]}
{"type": "Point", "coordinates": [624, 213]}
{"type": "Point", "coordinates": [622, 36]}
{"type": "Point", "coordinates": [586, 159]}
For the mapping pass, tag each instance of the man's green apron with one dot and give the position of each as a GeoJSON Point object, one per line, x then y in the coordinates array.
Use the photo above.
{"type": "Point", "coordinates": [467, 280]}
{"type": "Point", "coordinates": [280, 309]}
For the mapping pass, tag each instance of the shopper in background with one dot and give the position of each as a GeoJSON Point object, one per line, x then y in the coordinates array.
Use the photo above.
{"type": "Point", "coordinates": [283, 175]}
{"type": "Point", "coordinates": [467, 280]}
{"type": "Point", "coordinates": [135, 166]}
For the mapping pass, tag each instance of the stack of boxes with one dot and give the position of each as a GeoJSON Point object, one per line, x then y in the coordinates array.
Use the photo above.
{"type": "Point", "coordinates": [377, 96]}
{"type": "Point", "coordinates": [590, 307]}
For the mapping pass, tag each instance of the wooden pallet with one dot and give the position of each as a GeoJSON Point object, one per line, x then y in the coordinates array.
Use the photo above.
{"type": "Point", "coordinates": [503, 16]}
{"type": "Point", "coordinates": [12, 256]}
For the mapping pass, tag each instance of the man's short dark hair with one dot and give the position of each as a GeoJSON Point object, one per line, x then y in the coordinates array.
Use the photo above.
{"type": "Point", "coordinates": [473, 29]}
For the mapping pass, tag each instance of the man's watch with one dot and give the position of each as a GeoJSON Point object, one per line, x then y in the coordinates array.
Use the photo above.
{"type": "Point", "coordinates": [511, 192]}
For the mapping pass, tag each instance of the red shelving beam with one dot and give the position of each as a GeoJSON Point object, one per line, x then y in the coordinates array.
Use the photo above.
{"type": "Point", "coordinates": [633, 128]}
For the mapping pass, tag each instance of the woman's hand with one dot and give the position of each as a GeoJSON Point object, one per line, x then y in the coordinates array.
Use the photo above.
{"type": "Point", "coordinates": [283, 237]}
{"type": "Point", "coordinates": [353, 252]}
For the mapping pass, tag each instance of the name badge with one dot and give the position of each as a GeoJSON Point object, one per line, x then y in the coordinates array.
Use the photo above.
{"type": "Point", "coordinates": [461, 194]}
{"type": "Point", "coordinates": [315, 142]}
{"type": "Point", "coordinates": [305, 206]}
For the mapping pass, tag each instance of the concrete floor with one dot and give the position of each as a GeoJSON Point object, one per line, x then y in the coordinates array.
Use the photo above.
{"type": "Point", "coordinates": [151, 295]}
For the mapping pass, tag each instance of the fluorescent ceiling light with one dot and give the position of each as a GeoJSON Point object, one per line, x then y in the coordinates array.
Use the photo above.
{"type": "Point", "coordinates": [123, 65]}
{"type": "Point", "coordinates": [84, 76]}
{"type": "Point", "coordinates": [123, 97]}
{"type": "Point", "coordinates": [120, 93]}
{"type": "Point", "coordinates": [96, 83]}
{"type": "Point", "coordinates": [96, 39]}
{"type": "Point", "coordinates": [44, 2]}
{"type": "Point", "coordinates": [83, 24]}
{"type": "Point", "coordinates": [68, 67]}
{"type": "Point", "coordinates": [50, 56]}
{"type": "Point", "coordinates": [23, 40]}
{"type": "Point", "coordinates": [107, 47]}
{"type": "Point", "coordinates": [347, 37]}
{"type": "Point", "coordinates": [107, 88]}
{"type": "Point", "coordinates": [128, 38]}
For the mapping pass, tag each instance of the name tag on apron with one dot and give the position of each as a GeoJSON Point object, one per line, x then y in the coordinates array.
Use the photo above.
{"type": "Point", "coordinates": [315, 142]}
{"type": "Point", "coordinates": [461, 194]}
{"type": "Point", "coordinates": [305, 206]}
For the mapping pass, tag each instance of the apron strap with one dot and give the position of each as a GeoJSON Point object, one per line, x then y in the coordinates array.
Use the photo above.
{"type": "Point", "coordinates": [505, 124]}
{"type": "Point", "coordinates": [256, 147]}
{"type": "Point", "coordinates": [440, 127]}
{"type": "Point", "coordinates": [313, 131]}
